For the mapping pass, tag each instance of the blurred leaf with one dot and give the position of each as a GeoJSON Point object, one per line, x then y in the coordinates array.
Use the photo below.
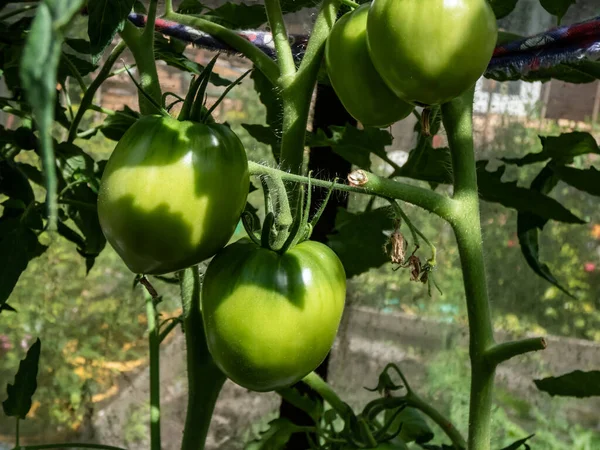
{"type": "Point", "coordinates": [272, 101]}
{"type": "Point", "coordinates": [7, 307]}
{"type": "Point", "coordinates": [586, 180]}
{"type": "Point", "coordinates": [115, 126]}
{"type": "Point", "coordinates": [503, 8]}
{"type": "Point", "coordinates": [239, 15]}
{"type": "Point", "coordinates": [493, 189]}
{"type": "Point", "coordinates": [190, 7]}
{"type": "Point", "coordinates": [352, 144]}
{"type": "Point", "coordinates": [17, 246]}
{"type": "Point", "coordinates": [561, 149]}
{"type": "Point", "coordinates": [32, 173]}
{"type": "Point", "coordinates": [518, 444]}
{"type": "Point", "coordinates": [171, 52]}
{"type": "Point", "coordinates": [14, 183]}
{"type": "Point", "coordinates": [557, 8]}
{"type": "Point", "coordinates": [574, 384]}
{"type": "Point", "coordinates": [276, 437]}
{"type": "Point", "coordinates": [583, 71]}
{"type": "Point", "coordinates": [290, 6]}
{"type": "Point", "coordinates": [18, 402]}
{"type": "Point", "coordinates": [414, 426]}
{"type": "Point", "coordinates": [79, 45]}
{"type": "Point", "coordinates": [302, 400]}
{"type": "Point", "coordinates": [106, 17]}
{"type": "Point", "coordinates": [437, 447]}
{"type": "Point", "coordinates": [358, 239]}
{"type": "Point", "coordinates": [38, 75]}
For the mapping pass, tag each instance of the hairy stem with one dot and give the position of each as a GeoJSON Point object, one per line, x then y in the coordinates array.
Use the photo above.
{"type": "Point", "coordinates": [281, 40]}
{"type": "Point", "coordinates": [88, 97]}
{"type": "Point", "coordinates": [371, 184]}
{"type": "Point", "coordinates": [458, 118]}
{"type": "Point", "coordinates": [262, 62]}
{"type": "Point", "coordinates": [297, 95]}
{"type": "Point", "coordinates": [205, 380]}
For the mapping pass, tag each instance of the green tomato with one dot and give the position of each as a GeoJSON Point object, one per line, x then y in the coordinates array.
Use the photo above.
{"type": "Point", "coordinates": [172, 193]}
{"type": "Point", "coordinates": [271, 319]}
{"type": "Point", "coordinates": [431, 51]}
{"type": "Point", "coordinates": [359, 87]}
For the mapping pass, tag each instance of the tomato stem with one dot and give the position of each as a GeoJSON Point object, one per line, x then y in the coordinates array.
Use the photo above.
{"type": "Point", "coordinates": [143, 53]}
{"type": "Point", "coordinates": [285, 58]}
{"type": "Point", "coordinates": [154, 344]}
{"type": "Point", "coordinates": [205, 380]}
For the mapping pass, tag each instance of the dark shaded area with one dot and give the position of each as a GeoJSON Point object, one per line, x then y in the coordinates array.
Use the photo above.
{"type": "Point", "coordinates": [324, 163]}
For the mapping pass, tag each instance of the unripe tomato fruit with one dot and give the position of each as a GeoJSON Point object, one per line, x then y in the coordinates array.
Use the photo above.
{"type": "Point", "coordinates": [271, 319]}
{"type": "Point", "coordinates": [359, 87]}
{"type": "Point", "coordinates": [431, 51]}
{"type": "Point", "coordinates": [172, 193]}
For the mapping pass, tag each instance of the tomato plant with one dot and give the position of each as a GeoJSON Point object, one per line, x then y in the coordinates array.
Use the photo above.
{"type": "Point", "coordinates": [267, 310]}
{"type": "Point", "coordinates": [271, 318]}
{"type": "Point", "coordinates": [429, 52]}
{"type": "Point", "coordinates": [172, 193]}
{"type": "Point", "coordinates": [359, 86]}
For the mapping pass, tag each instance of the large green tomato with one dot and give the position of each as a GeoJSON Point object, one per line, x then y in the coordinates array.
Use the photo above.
{"type": "Point", "coordinates": [271, 319]}
{"type": "Point", "coordinates": [354, 78]}
{"type": "Point", "coordinates": [172, 193]}
{"type": "Point", "coordinates": [431, 51]}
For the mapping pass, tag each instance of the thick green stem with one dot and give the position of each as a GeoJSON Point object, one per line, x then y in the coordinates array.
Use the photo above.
{"type": "Point", "coordinates": [281, 40]}
{"type": "Point", "coordinates": [507, 350]}
{"type": "Point", "coordinates": [458, 120]}
{"type": "Point", "coordinates": [205, 380]}
{"type": "Point", "coordinates": [297, 95]}
{"type": "Point", "coordinates": [371, 184]}
{"type": "Point", "coordinates": [88, 97]}
{"type": "Point", "coordinates": [142, 49]}
{"type": "Point", "coordinates": [262, 62]}
{"type": "Point", "coordinates": [319, 385]}
{"type": "Point", "coordinates": [154, 345]}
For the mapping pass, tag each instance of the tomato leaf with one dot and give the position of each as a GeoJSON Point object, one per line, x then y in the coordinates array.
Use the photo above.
{"type": "Point", "coordinates": [586, 180]}
{"type": "Point", "coordinates": [171, 52]}
{"type": "Point", "coordinates": [18, 402]}
{"type": "Point", "coordinates": [574, 384]}
{"type": "Point", "coordinates": [38, 75]}
{"type": "Point", "coordinates": [18, 245]}
{"type": "Point", "coordinates": [518, 444]}
{"type": "Point", "coordinates": [529, 226]}
{"type": "Point", "coordinates": [276, 436]}
{"type": "Point", "coordinates": [115, 126]}
{"type": "Point", "coordinates": [557, 8]}
{"type": "Point", "coordinates": [358, 239]}
{"type": "Point", "coordinates": [79, 45]}
{"type": "Point", "coordinates": [106, 17]}
{"type": "Point", "coordinates": [191, 7]}
{"type": "Point", "coordinates": [238, 16]}
{"type": "Point", "coordinates": [263, 134]}
{"type": "Point", "coordinates": [493, 189]}
{"type": "Point", "coordinates": [428, 164]}
{"type": "Point", "coordinates": [7, 307]}
{"type": "Point", "coordinates": [352, 144]}
{"type": "Point", "coordinates": [503, 8]}
{"type": "Point", "coordinates": [561, 148]}
{"type": "Point", "coordinates": [414, 427]}
{"type": "Point", "coordinates": [14, 183]}
{"type": "Point", "coordinates": [83, 67]}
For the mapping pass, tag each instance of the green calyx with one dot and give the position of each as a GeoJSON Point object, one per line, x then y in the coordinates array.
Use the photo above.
{"type": "Point", "coordinates": [280, 231]}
